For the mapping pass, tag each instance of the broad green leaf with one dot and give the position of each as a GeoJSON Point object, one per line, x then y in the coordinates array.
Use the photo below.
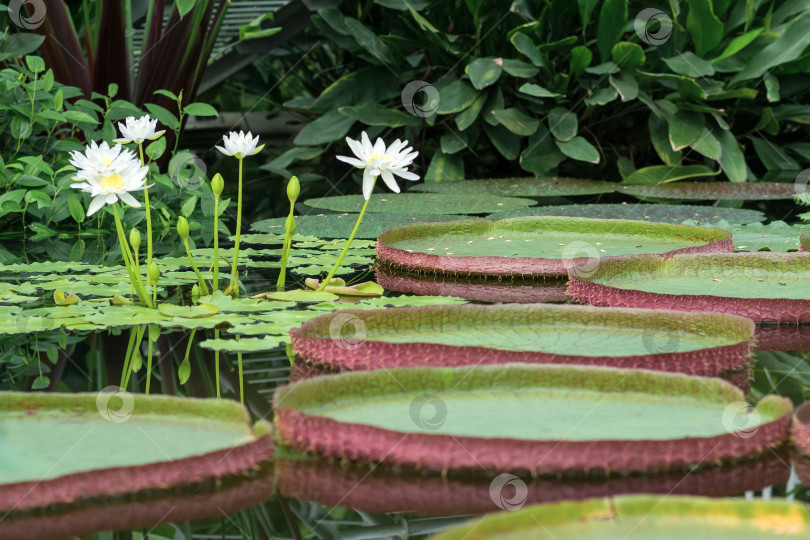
{"type": "Point", "coordinates": [200, 109]}
{"type": "Point", "coordinates": [625, 84]}
{"type": "Point", "coordinates": [467, 117]}
{"type": "Point", "coordinates": [80, 117]}
{"type": "Point", "coordinates": [659, 136]}
{"type": "Point", "coordinates": [580, 149]}
{"type": "Point", "coordinates": [330, 127]}
{"type": "Point", "coordinates": [786, 48]}
{"type": "Point", "coordinates": [518, 68]}
{"type": "Point", "coordinates": [658, 174]}
{"type": "Point", "coordinates": [585, 11]}
{"type": "Point", "coordinates": [737, 44]}
{"type": "Point", "coordinates": [536, 90]}
{"type": "Point", "coordinates": [771, 88]}
{"type": "Point", "coordinates": [445, 168]}
{"type": "Point", "coordinates": [156, 148]}
{"type": "Point", "coordinates": [581, 58]}
{"type": "Point", "coordinates": [541, 156]}
{"type": "Point", "coordinates": [773, 157]}
{"type": "Point", "coordinates": [455, 97]}
{"type": "Point", "coordinates": [689, 89]}
{"type": "Point", "coordinates": [737, 93]}
{"type": "Point", "coordinates": [704, 26]}
{"type": "Point", "coordinates": [21, 43]}
{"type": "Point", "coordinates": [483, 72]}
{"type": "Point", "coordinates": [602, 96]}
{"type": "Point", "coordinates": [35, 63]}
{"type": "Point", "coordinates": [689, 64]}
{"type": "Point", "coordinates": [452, 142]}
{"type": "Point", "coordinates": [612, 22]}
{"type": "Point", "coordinates": [374, 115]}
{"type": "Point", "coordinates": [628, 55]}
{"type": "Point", "coordinates": [562, 123]}
{"type": "Point", "coordinates": [516, 121]}
{"type": "Point", "coordinates": [684, 128]}
{"type": "Point", "coordinates": [707, 144]}
{"type": "Point", "coordinates": [731, 160]}
{"type": "Point", "coordinates": [506, 142]}
{"type": "Point", "coordinates": [184, 6]}
{"type": "Point", "coordinates": [367, 39]}
{"type": "Point", "coordinates": [526, 47]}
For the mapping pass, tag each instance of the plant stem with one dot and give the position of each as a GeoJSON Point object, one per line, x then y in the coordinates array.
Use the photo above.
{"type": "Point", "coordinates": [148, 363]}
{"type": "Point", "coordinates": [148, 215]}
{"type": "Point", "coordinates": [200, 280]}
{"type": "Point", "coordinates": [135, 278]}
{"type": "Point", "coordinates": [285, 251]}
{"type": "Point", "coordinates": [332, 272]}
{"type": "Point", "coordinates": [216, 247]}
{"type": "Point", "coordinates": [234, 271]}
{"type": "Point", "coordinates": [216, 364]}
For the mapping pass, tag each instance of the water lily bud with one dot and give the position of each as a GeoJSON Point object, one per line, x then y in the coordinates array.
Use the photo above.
{"type": "Point", "coordinates": [182, 228]}
{"type": "Point", "coordinates": [293, 189]}
{"type": "Point", "coordinates": [217, 185]}
{"type": "Point", "coordinates": [195, 291]}
{"type": "Point", "coordinates": [135, 239]}
{"type": "Point", "coordinates": [153, 273]}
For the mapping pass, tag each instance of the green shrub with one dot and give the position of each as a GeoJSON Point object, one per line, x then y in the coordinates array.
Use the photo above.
{"type": "Point", "coordinates": [590, 88]}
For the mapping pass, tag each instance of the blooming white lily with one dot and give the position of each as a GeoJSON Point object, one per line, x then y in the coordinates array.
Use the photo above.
{"type": "Point", "coordinates": [378, 160]}
{"type": "Point", "coordinates": [96, 159]}
{"type": "Point", "coordinates": [137, 131]}
{"type": "Point", "coordinates": [109, 175]}
{"type": "Point", "coordinates": [240, 144]}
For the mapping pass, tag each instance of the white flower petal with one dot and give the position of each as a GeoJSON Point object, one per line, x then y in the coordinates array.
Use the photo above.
{"type": "Point", "coordinates": [352, 161]}
{"type": "Point", "coordinates": [95, 205]}
{"type": "Point", "coordinates": [388, 178]}
{"type": "Point", "coordinates": [407, 175]}
{"type": "Point", "coordinates": [127, 198]}
{"type": "Point", "coordinates": [368, 184]}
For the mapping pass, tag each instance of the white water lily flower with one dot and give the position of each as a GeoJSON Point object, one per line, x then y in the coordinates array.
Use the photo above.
{"type": "Point", "coordinates": [240, 145]}
{"type": "Point", "coordinates": [137, 131]}
{"type": "Point", "coordinates": [96, 159]}
{"type": "Point", "coordinates": [378, 160]}
{"type": "Point", "coordinates": [108, 175]}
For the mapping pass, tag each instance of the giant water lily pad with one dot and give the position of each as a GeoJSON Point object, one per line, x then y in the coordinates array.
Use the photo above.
{"type": "Point", "coordinates": [548, 419]}
{"type": "Point", "coordinates": [697, 344]}
{"type": "Point", "coordinates": [552, 289]}
{"type": "Point", "coordinates": [341, 225]}
{"type": "Point", "coordinates": [767, 287]}
{"type": "Point", "coordinates": [775, 236]}
{"type": "Point", "coordinates": [643, 516]}
{"type": "Point", "coordinates": [64, 448]}
{"type": "Point", "coordinates": [534, 246]}
{"type": "Point", "coordinates": [663, 213]}
{"type": "Point", "coordinates": [549, 186]}
{"type": "Point", "coordinates": [421, 203]}
{"type": "Point", "coordinates": [698, 191]}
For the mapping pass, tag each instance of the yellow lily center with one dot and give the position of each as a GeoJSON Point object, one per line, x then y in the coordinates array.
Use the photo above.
{"type": "Point", "coordinates": [377, 157]}
{"type": "Point", "coordinates": [112, 183]}
{"type": "Point", "coordinates": [106, 161]}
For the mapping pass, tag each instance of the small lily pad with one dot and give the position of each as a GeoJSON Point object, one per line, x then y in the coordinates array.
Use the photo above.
{"type": "Point", "coordinates": [549, 186]}
{"type": "Point", "coordinates": [341, 225]}
{"type": "Point", "coordinates": [299, 295]}
{"type": "Point", "coordinates": [723, 191]}
{"type": "Point", "coordinates": [338, 286]}
{"type": "Point", "coordinates": [188, 312]}
{"type": "Point", "coordinates": [663, 213]}
{"type": "Point", "coordinates": [244, 345]}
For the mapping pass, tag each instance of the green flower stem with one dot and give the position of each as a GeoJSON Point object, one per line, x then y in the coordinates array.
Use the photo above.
{"type": "Point", "coordinates": [203, 286]}
{"type": "Point", "coordinates": [133, 276]}
{"type": "Point", "coordinates": [241, 379]}
{"type": "Point", "coordinates": [138, 338]}
{"type": "Point", "coordinates": [216, 252]}
{"type": "Point", "coordinates": [285, 252]}
{"type": "Point", "coordinates": [128, 358]}
{"type": "Point", "coordinates": [216, 364]}
{"type": "Point", "coordinates": [234, 271]}
{"type": "Point", "coordinates": [332, 272]}
{"type": "Point", "coordinates": [149, 363]}
{"type": "Point", "coordinates": [148, 215]}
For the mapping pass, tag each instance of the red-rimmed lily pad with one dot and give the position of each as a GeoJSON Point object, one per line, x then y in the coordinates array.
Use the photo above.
{"type": "Point", "coordinates": [548, 419]}
{"type": "Point", "coordinates": [763, 286]}
{"type": "Point", "coordinates": [647, 517]}
{"type": "Point", "coordinates": [699, 191]}
{"type": "Point", "coordinates": [549, 290]}
{"type": "Point", "coordinates": [804, 242]}
{"type": "Point", "coordinates": [801, 441]}
{"type": "Point", "coordinates": [534, 246]}
{"type": "Point", "coordinates": [72, 448]}
{"type": "Point", "coordinates": [384, 490]}
{"type": "Point", "coordinates": [707, 344]}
